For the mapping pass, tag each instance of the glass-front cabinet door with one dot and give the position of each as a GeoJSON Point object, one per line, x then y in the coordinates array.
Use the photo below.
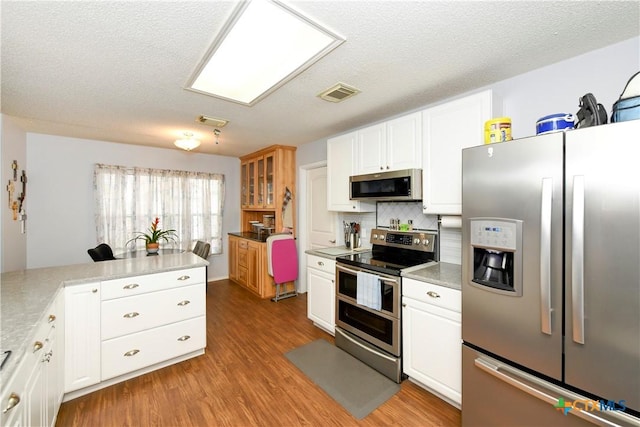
{"type": "Point", "coordinates": [244, 185]}
{"type": "Point", "coordinates": [261, 182]}
{"type": "Point", "coordinates": [252, 183]}
{"type": "Point", "coordinates": [269, 200]}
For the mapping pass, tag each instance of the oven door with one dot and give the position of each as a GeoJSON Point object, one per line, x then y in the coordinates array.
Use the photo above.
{"type": "Point", "coordinates": [347, 288]}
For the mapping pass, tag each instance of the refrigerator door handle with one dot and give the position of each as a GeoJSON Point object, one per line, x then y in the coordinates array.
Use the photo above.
{"type": "Point", "coordinates": [545, 255]}
{"type": "Point", "coordinates": [577, 260]}
{"type": "Point", "coordinates": [509, 376]}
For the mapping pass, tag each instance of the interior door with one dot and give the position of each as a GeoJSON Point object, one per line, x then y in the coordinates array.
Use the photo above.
{"type": "Point", "coordinates": [321, 222]}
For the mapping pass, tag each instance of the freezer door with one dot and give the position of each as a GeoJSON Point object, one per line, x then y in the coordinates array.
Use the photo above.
{"type": "Point", "coordinates": [516, 186]}
{"type": "Point", "coordinates": [520, 399]}
{"type": "Point", "coordinates": [602, 353]}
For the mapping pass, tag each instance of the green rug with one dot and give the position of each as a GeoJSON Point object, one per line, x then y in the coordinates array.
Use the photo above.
{"type": "Point", "coordinates": [354, 385]}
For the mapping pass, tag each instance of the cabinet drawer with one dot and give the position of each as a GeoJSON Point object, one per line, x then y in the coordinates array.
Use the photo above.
{"type": "Point", "coordinates": [439, 296]}
{"type": "Point", "coordinates": [242, 257]}
{"type": "Point", "coordinates": [142, 349]}
{"type": "Point", "coordinates": [243, 244]}
{"type": "Point", "coordinates": [151, 282]}
{"type": "Point", "coordinates": [134, 314]}
{"type": "Point", "coordinates": [322, 264]}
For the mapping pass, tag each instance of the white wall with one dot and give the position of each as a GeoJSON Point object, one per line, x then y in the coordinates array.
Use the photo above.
{"type": "Point", "coordinates": [61, 225]}
{"type": "Point", "coordinates": [13, 248]}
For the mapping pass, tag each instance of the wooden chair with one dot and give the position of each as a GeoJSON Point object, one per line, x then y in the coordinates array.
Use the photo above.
{"type": "Point", "coordinates": [282, 260]}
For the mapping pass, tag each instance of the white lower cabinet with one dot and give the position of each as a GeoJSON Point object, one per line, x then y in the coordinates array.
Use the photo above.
{"type": "Point", "coordinates": [321, 298]}
{"type": "Point", "coordinates": [33, 395]}
{"type": "Point", "coordinates": [117, 327]}
{"type": "Point", "coordinates": [431, 333]}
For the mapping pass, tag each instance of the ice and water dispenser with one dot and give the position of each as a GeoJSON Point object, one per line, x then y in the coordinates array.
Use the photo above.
{"type": "Point", "coordinates": [496, 245]}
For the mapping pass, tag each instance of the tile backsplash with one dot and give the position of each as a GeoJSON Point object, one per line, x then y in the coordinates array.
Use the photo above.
{"type": "Point", "coordinates": [449, 239]}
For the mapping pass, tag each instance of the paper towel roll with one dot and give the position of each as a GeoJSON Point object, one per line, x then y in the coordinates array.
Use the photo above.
{"type": "Point", "coordinates": [451, 222]}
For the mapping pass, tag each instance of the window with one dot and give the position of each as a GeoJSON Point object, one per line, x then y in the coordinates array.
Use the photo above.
{"type": "Point", "coordinates": [128, 199]}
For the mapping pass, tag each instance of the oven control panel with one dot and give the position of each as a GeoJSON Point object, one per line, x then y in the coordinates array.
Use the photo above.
{"type": "Point", "coordinates": [415, 240]}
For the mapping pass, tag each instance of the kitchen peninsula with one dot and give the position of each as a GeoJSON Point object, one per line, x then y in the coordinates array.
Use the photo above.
{"type": "Point", "coordinates": [74, 329]}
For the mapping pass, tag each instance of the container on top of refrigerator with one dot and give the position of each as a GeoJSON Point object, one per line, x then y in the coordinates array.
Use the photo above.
{"type": "Point", "coordinates": [497, 130]}
{"type": "Point", "coordinates": [555, 123]}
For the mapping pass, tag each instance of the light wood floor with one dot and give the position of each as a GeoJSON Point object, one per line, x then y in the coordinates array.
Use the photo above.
{"type": "Point", "coordinates": [244, 379]}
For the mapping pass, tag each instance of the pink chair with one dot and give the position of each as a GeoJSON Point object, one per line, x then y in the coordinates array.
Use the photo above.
{"type": "Point", "coordinates": [282, 258]}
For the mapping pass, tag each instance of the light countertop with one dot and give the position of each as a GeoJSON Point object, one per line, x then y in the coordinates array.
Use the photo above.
{"type": "Point", "coordinates": [440, 273]}
{"type": "Point", "coordinates": [25, 295]}
{"type": "Point", "coordinates": [335, 251]}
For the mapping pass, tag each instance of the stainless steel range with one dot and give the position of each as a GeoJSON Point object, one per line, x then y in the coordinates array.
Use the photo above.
{"type": "Point", "coordinates": [369, 295]}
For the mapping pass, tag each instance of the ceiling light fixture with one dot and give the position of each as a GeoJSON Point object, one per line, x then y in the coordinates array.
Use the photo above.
{"type": "Point", "coordinates": [264, 45]}
{"type": "Point", "coordinates": [212, 121]}
{"type": "Point", "coordinates": [187, 143]}
{"type": "Point", "coordinates": [216, 132]}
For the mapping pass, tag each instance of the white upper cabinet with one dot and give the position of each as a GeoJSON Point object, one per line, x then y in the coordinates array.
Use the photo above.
{"type": "Point", "coordinates": [392, 145]}
{"type": "Point", "coordinates": [448, 128]}
{"type": "Point", "coordinates": [341, 153]}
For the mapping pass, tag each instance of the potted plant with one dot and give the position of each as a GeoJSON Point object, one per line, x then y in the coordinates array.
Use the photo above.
{"type": "Point", "coordinates": [154, 235]}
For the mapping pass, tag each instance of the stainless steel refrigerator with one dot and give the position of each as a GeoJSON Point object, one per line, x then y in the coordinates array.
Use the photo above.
{"type": "Point", "coordinates": [551, 279]}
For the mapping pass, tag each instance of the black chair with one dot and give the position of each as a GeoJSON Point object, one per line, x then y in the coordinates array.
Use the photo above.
{"type": "Point", "coordinates": [202, 250]}
{"type": "Point", "coordinates": [102, 252]}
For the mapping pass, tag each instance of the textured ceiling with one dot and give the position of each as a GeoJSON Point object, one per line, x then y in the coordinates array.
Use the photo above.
{"type": "Point", "coordinates": [116, 70]}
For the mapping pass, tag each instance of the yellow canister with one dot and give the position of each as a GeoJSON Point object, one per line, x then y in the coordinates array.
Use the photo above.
{"type": "Point", "coordinates": [497, 130]}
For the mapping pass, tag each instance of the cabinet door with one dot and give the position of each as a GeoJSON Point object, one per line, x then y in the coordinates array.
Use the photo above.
{"type": "Point", "coordinates": [432, 345]}
{"type": "Point", "coordinates": [321, 299]}
{"type": "Point", "coordinates": [252, 198]}
{"type": "Point", "coordinates": [82, 336]}
{"type": "Point", "coordinates": [269, 199]}
{"type": "Point", "coordinates": [34, 393]}
{"type": "Point", "coordinates": [340, 159]}
{"type": "Point", "coordinates": [372, 149]}
{"type": "Point", "coordinates": [404, 142]}
{"type": "Point", "coordinates": [253, 267]}
{"type": "Point", "coordinates": [449, 128]}
{"type": "Point", "coordinates": [244, 184]}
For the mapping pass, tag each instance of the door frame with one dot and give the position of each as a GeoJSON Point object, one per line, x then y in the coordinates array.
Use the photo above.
{"type": "Point", "coordinates": [303, 238]}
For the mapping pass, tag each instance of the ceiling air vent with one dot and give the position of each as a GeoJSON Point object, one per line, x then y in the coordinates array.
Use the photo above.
{"type": "Point", "coordinates": [212, 121]}
{"type": "Point", "coordinates": [338, 93]}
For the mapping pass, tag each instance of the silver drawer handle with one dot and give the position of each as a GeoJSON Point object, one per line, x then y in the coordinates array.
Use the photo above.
{"type": "Point", "coordinates": [13, 400]}
{"type": "Point", "coordinates": [131, 286]}
{"type": "Point", "coordinates": [131, 315]}
{"type": "Point", "coordinates": [94, 290]}
{"type": "Point", "coordinates": [52, 318]}
{"type": "Point", "coordinates": [320, 263]}
{"type": "Point", "coordinates": [132, 352]}
{"type": "Point", "coordinates": [37, 346]}
{"type": "Point", "coordinates": [433, 294]}
{"type": "Point", "coordinates": [184, 277]}
{"type": "Point", "coordinates": [183, 303]}
{"type": "Point", "coordinates": [184, 338]}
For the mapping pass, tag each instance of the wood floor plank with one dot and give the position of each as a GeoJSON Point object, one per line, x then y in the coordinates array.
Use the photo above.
{"type": "Point", "coordinates": [244, 379]}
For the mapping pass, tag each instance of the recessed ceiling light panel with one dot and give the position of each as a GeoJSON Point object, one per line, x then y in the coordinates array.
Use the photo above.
{"type": "Point", "coordinates": [212, 121]}
{"type": "Point", "coordinates": [264, 45]}
{"type": "Point", "coordinates": [338, 92]}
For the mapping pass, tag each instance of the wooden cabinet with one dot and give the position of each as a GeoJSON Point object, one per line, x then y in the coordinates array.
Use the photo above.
{"type": "Point", "coordinates": [448, 128]}
{"type": "Point", "coordinates": [249, 262]}
{"type": "Point", "coordinates": [33, 394]}
{"type": "Point", "coordinates": [265, 177]}
{"type": "Point", "coordinates": [392, 145]}
{"type": "Point", "coordinates": [321, 292]}
{"type": "Point", "coordinates": [432, 338]}
{"type": "Point", "coordinates": [117, 329]}
{"type": "Point", "coordinates": [341, 152]}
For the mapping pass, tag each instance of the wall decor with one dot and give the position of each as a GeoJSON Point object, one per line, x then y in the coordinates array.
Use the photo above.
{"type": "Point", "coordinates": [17, 205]}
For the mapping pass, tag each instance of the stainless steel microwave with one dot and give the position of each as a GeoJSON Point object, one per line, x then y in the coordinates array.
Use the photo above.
{"type": "Point", "coordinates": [400, 185]}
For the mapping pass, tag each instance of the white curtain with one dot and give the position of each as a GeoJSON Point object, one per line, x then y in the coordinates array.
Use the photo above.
{"type": "Point", "coordinates": [129, 199]}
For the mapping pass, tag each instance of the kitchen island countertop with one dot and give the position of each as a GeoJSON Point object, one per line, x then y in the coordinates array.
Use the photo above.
{"type": "Point", "coordinates": [440, 273]}
{"type": "Point", "coordinates": [25, 295]}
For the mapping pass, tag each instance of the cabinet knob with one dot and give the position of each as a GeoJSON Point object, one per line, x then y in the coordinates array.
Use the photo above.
{"type": "Point", "coordinates": [381, 168]}
{"type": "Point", "coordinates": [94, 290]}
{"type": "Point", "coordinates": [132, 352]}
{"type": "Point", "coordinates": [37, 346]}
{"type": "Point", "coordinates": [52, 318]}
{"type": "Point", "coordinates": [320, 263]}
{"type": "Point", "coordinates": [130, 286]}
{"type": "Point", "coordinates": [183, 303]}
{"type": "Point", "coordinates": [13, 400]}
{"type": "Point", "coordinates": [131, 315]}
{"type": "Point", "coordinates": [184, 338]}
{"type": "Point", "coordinates": [404, 305]}
{"type": "Point", "coordinates": [184, 278]}
{"type": "Point", "coordinates": [332, 241]}
{"type": "Point", "coordinates": [433, 294]}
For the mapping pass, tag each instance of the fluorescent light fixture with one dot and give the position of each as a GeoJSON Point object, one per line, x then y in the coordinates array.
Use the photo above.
{"type": "Point", "coordinates": [264, 45]}
{"type": "Point", "coordinates": [187, 143]}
